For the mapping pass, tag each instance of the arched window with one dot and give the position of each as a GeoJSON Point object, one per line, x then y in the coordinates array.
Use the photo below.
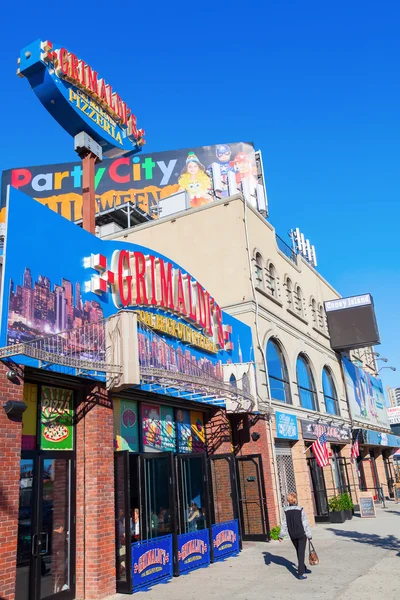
{"type": "Point", "coordinates": [277, 373]}
{"type": "Point", "coordinates": [298, 301]}
{"type": "Point", "coordinates": [305, 384]}
{"type": "Point", "coordinates": [232, 381]}
{"type": "Point", "coordinates": [330, 395]}
{"type": "Point", "coordinates": [271, 275]}
{"type": "Point", "coordinates": [313, 305]}
{"type": "Point", "coordinates": [258, 271]}
{"type": "Point", "coordinates": [245, 383]}
{"type": "Point", "coordinates": [289, 292]}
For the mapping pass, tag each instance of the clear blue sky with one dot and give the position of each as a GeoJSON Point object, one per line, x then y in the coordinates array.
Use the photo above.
{"type": "Point", "coordinates": [315, 85]}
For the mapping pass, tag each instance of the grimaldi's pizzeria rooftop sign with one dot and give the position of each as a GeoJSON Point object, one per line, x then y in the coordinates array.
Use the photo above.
{"type": "Point", "coordinates": [79, 99]}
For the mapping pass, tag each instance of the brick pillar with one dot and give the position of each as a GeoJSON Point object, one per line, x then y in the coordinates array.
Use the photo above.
{"type": "Point", "coordinates": [368, 473]}
{"type": "Point", "coordinates": [352, 473]}
{"type": "Point", "coordinates": [95, 519]}
{"type": "Point", "coordinates": [218, 433]}
{"type": "Point", "coordinates": [10, 453]}
{"type": "Point", "coordinates": [303, 478]}
{"type": "Point", "coordinates": [330, 482]}
{"type": "Point", "coordinates": [380, 467]}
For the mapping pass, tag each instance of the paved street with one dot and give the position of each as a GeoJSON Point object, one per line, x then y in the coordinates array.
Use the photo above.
{"type": "Point", "coordinates": [358, 560]}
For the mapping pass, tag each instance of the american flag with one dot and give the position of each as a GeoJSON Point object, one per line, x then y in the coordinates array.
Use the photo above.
{"type": "Point", "coordinates": [355, 448]}
{"type": "Point", "coordinates": [320, 450]}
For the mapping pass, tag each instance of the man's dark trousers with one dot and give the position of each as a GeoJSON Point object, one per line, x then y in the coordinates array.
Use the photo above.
{"type": "Point", "coordinates": [300, 545]}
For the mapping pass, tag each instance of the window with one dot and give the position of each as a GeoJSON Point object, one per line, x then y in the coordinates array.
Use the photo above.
{"type": "Point", "coordinates": [245, 383]}
{"type": "Point", "coordinates": [232, 381]}
{"type": "Point", "coordinates": [298, 301]}
{"type": "Point", "coordinates": [321, 317]}
{"type": "Point", "coordinates": [289, 292]}
{"type": "Point", "coordinates": [258, 271]}
{"type": "Point", "coordinates": [330, 395]}
{"type": "Point", "coordinates": [277, 373]}
{"type": "Point", "coordinates": [305, 384]}
{"type": "Point", "coordinates": [313, 305]}
{"type": "Point", "coordinates": [271, 276]}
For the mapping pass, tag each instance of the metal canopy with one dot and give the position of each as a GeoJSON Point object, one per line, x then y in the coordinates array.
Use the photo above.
{"type": "Point", "coordinates": [163, 368]}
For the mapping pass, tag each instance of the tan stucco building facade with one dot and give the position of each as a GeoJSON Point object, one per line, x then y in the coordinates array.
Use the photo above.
{"type": "Point", "coordinates": [236, 255]}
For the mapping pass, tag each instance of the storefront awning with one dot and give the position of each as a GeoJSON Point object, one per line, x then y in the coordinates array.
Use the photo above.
{"type": "Point", "coordinates": [379, 438]}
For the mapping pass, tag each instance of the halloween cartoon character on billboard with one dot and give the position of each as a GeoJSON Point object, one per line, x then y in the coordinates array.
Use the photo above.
{"type": "Point", "coordinates": [195, 181]}
{"type": "Point", "coordinates": [245, 170]}
{"type": "Point", "coordinates": [223, 155]}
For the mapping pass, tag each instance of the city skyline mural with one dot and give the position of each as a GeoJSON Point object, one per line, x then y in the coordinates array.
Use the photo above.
{"type": "Point", "coordinates": [44, 307]}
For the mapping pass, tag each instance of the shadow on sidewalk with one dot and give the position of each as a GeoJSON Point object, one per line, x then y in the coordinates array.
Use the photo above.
{"type": "Point", "coordinates": [393, 512]}
{"type": "Point", "coordinates": [388, 542]}
{"type": "Point", "coordinates": [280, 561]}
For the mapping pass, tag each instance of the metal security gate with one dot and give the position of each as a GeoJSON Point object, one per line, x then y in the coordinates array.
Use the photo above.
{"type": "Point", "coordinates": [318, 489]}
{"type": "Point", "coordinates": [287, 482]}
{"type": "Point", "coordinates": [252, 500]}
{"type": "Point", "coordinates": [390, 477]}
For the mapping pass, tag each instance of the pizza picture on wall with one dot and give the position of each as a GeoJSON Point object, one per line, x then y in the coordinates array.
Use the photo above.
{"type": "Point", "coordinates": [57, 414]}
{"type": "Point", "coordinates": [55, 432]}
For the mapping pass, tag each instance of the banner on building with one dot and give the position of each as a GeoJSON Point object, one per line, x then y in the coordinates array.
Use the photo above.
{"type": "Point", "coordinates": [168, 429]}
{"type": "Point", "coordinates": [393, 415]}
{"type": "Point", "coordinates": [334, 433]}
{"type": "Point", "coordinates": [151, 427]}
{"type": "Point", "coordinates": [74, 281]}
{"type": "Point", "coordinates": [193, 550]}
{"type": "Point", "coordinates": [126, 425]}
{"type": "Point", "coordinates": [197, 430]}
{"type": "Point", "coordinates": [143, 180]}
{"type": "Point", "coordinates": [185, 440]}
{"type": "Point", "coordinates": [286, 426]}
{"type": "Point", "coordinates": [225, 539]}
{"type": "Point", "coordinates": [56, 418]}
{"type": "Point", "coordinates": [365, 395]}
{"type": "Point", "coordinates": [380, 438]}
{"type": "Point", "coordinates": [152, 562]}
{"type": "Point", "coordinates": [29, 417]}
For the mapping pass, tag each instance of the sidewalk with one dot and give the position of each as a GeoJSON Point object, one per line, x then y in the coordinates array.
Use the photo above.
{"type": "Point", "coordinates": [358, 559]}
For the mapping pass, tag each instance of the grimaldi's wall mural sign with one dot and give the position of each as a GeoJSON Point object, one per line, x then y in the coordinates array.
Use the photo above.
{"type": "Point", "coordinates": [58, 277]}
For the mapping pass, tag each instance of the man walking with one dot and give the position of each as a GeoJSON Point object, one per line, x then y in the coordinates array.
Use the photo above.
{"type": "Point", "coordinates": [295, 523]}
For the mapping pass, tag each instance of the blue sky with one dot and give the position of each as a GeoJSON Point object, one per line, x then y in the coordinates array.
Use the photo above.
{"type": "Point", "coordinates": [314, 85]}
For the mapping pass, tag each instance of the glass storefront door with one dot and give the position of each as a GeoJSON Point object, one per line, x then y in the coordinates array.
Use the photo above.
{"type": "Point", "coordinates": [158, 499]}
{"type": "Point", "coordinates": [45, 549]}
{"type": "Point", "coordinates": [193, 506]}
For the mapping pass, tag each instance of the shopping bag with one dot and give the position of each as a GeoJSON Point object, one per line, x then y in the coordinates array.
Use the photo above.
{"type": "Point", "coordinates": [313, 556]}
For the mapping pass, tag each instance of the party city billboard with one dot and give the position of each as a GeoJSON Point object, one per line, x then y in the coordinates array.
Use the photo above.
{"type": "Point", "coordinates": [78, 99]}
{"type": "Point", "coordinates": [365, 395]}
{"type": "Point", "coordinates": [58, 277]}
{"type": "Point", "coordinates": [142, 180]}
